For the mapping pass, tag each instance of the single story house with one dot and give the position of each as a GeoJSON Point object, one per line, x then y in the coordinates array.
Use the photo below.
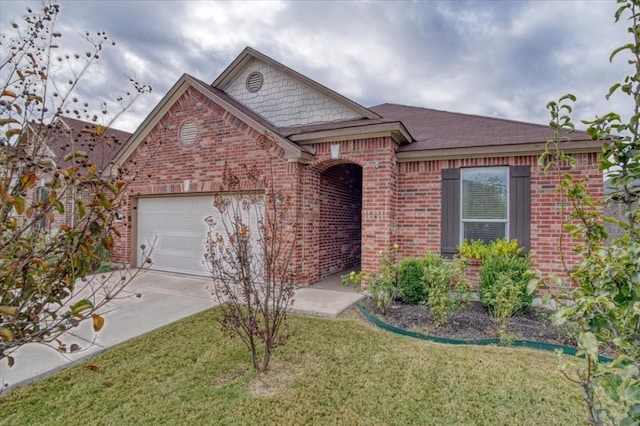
{"type": "Point", "coordinates": [361, 179]}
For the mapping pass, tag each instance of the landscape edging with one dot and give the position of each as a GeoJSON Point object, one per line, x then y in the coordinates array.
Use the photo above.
{"type": "Point", "coordinates": [550, 347]}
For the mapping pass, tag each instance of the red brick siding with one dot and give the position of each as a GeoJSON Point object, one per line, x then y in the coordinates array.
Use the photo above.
{"type": "Point", "coordinates": [376, 156]}
{"type": "Point", "coordinates": [419, 206]}
{"type": "Point", "coordinates": [546, 213]}
{"type": "Point", "coordinates": [161, 164]}
{"type": "Point", "coordinates": [340, 218]}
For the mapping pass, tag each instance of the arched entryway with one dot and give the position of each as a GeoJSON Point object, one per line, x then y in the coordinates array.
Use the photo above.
{"type": "Point", "coordinates": [340, 221]}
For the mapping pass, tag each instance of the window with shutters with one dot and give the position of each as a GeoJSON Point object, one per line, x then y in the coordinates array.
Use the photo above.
{"type": "Point", "coordinates": [485, 203]}
{"type": "Point", "coordinates": [484, 200]}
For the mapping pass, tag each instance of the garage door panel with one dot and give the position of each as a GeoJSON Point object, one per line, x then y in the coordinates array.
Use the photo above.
{"type": "Point", "coordinates": [176, 243]}
{"type": "Point", "coordinates": [173, 261]}
{"type": "Point", "coordinates": [177, 224]}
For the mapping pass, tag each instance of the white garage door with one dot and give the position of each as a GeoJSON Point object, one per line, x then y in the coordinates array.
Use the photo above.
{"type": "Point", "coordinates": [177, 226]}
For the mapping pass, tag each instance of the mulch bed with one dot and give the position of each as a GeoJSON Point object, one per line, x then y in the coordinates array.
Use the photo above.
{"type": "Point", "coordinates": [473, 322]}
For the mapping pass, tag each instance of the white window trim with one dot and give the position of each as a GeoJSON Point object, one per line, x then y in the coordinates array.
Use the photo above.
{"type": "Point", "coordinates": [462, 221]}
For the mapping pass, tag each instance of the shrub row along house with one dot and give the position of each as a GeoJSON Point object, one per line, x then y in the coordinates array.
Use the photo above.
{"type": "Point", "coordinates": [360, 179]}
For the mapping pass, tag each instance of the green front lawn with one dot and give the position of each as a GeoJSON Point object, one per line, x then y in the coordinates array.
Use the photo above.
{"type": "Point", "coordinates": [331, 372]}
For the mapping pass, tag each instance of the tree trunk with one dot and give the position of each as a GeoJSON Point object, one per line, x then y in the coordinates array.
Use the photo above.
{"type": "Point", "coordinates": [266, 357]}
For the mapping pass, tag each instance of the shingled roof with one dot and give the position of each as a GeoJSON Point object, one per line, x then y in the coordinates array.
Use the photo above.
{"type": "Point", "coordinates": [69, 135]}
{"type": "Point", "coordinates": [433, 129]}
{"type": "Point", "coordinates": [421, 133]}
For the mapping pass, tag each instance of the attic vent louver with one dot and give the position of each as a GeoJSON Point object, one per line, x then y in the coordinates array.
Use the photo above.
{"type": "Point", "coordinates": [188, 133]}
{"type": "Point", "coordinates": [254, 81]}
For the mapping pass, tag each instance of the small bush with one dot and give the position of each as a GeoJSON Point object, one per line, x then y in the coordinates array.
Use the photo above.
{"type": "Point", "coordinates": [411, 281]}
{"type": "Point", "coordinates": [383, 290]}
{"type": "Point", "coordinates": [382, 285]}
{"type": "Point", "coordinates": [504, 276]}
{"type": "Point", "coordinates": [101, 260]}
{"type": "Point", "coordinates": [429, 280]}
{"type": "Point", "coordinates": [441, 277]}
{"type": "Point", "coordinates": [503, 284]}
{"type": "Point", "coordinates": [477, 249]}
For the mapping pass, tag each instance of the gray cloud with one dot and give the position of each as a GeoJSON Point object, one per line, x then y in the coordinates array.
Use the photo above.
{"type": "Point", "coordinates": [504, 59]}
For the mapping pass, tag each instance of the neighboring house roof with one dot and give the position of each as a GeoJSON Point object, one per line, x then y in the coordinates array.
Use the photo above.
{"type": "Point", "coordinates": [9, 151]}
{"type": "Point", "coordinates": [70, 136]}
{"type": "Point", "coordinates": [53, 142]}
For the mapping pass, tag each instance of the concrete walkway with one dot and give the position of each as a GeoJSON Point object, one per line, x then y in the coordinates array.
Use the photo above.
{"type": "Point", "coordinates": [164, 298]}
{"type": "Point", "coordinates": [326, 298]}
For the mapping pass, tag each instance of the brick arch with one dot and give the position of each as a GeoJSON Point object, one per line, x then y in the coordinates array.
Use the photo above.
{"type": "Point", "coordinates": [323, 165]}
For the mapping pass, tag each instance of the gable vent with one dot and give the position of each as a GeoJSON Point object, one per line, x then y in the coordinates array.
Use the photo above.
{"type": "Point", "coordinates": [254, 81]}
{"type": "Point", "coordinates": [188, 133]}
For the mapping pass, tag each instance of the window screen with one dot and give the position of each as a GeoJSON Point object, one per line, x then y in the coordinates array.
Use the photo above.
{"type": "Point", "coordinates": [485, 201]}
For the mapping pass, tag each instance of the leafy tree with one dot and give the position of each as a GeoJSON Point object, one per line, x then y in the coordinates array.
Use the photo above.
{"type": "Point", "coordinates": [249, 254]}
{"type": "Point", "coordinates": [47, 280]}
{"type": "Point", "coordinates": [606, 281]}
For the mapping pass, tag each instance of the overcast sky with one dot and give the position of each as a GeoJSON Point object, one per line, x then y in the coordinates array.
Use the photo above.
{"type": "Point", "coordinates": [495, 58]}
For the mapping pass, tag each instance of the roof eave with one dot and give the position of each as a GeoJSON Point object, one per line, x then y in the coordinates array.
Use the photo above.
{"type": "Point", "coordinates": [229, 73]}
{"type": "Point", "coordinates": [291, 150]}
{"type": "Point", "coordinates": [394, 129]}
{"type": "Point", "coordinates": [513, 150]}
{"type": "Point", "coordinates": [304, 158]}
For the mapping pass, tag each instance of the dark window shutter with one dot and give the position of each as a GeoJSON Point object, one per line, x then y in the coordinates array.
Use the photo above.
{"type": "Point", "coordinates": [520, 205]}
{"type": "Point", "coordinates": [450, 212]}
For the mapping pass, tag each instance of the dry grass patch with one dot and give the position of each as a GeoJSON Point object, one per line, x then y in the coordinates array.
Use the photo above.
{"type": "Point", "coordinates": [280, 377]}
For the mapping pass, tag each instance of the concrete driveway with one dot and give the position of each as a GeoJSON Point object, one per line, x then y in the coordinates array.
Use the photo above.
{"type": "Point", "coordinates": [164, 298]}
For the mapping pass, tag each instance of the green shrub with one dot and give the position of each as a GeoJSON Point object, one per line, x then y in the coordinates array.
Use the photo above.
{"type": "Point", "coordinates": [441, 277]}
{"type": "Point", "coordinates": [477, 249]}
{"type": "Point", "coordinates": [102, 260]}
{"type": "Point", "coordinates": [504, 276]}
{"type": "Point", "coordinates": [382, 285]}
{"type": "Point", "coordinates": [503, 284]}
{"type": "Point", "coordinates": [411, 281]}
{"type": "Point", "coordinates": [507, 303]}
{"type": "Point", "coordinates": [430, 280]}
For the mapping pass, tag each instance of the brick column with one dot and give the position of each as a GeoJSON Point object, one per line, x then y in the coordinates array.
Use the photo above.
{"type": "Point", "coordinates": [379, 199]}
